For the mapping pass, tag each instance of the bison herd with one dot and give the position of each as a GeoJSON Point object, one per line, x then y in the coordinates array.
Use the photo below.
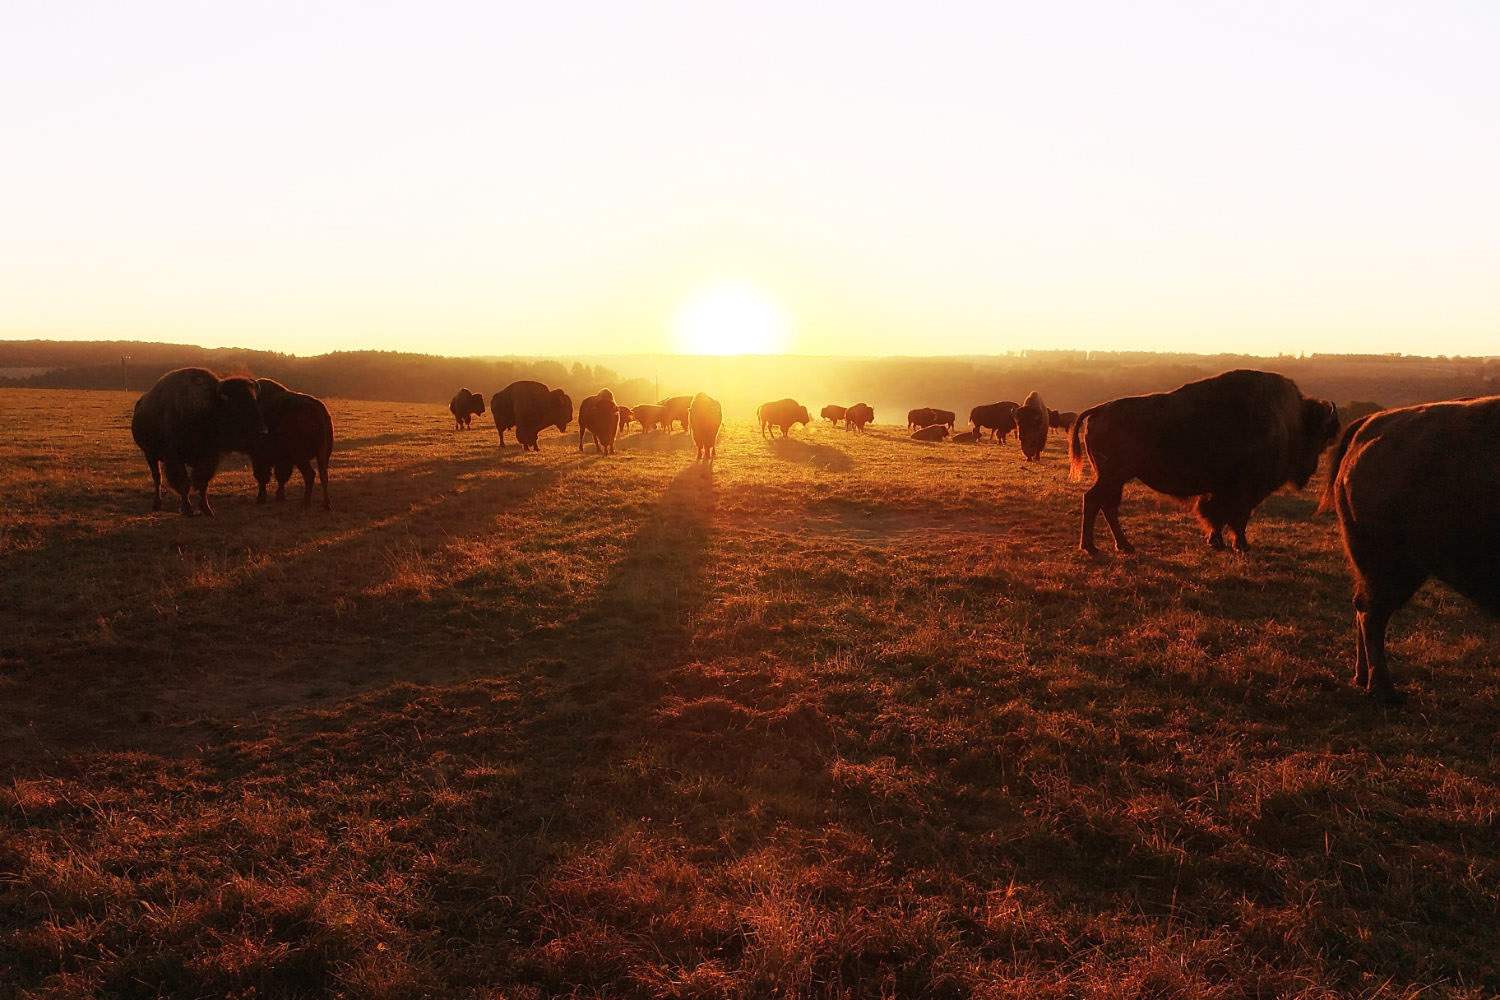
{"type": "Point", "coordinates": [1413, 488]}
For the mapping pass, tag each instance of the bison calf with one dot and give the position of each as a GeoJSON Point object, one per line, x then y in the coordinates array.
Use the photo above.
{"type": "Point", "coordinates": [299, 431]}
{"type": "Point", "coordinates": [1415, 492]}
{"type": "Point", "coordinates": [465, 406]}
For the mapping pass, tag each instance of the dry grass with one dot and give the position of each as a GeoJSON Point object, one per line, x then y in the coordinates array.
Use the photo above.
{"type": "Point", "coordinates": [848, 717]}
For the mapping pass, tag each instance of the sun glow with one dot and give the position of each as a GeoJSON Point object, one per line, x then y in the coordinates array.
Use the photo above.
{"type": "Point", "coordinates": [730, 318]}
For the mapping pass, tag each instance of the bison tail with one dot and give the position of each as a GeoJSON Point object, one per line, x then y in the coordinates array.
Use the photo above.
{"type": "Point", "coordinates": [1336, 459]}
{"type": "Point", "coordinates": [1075, 446]}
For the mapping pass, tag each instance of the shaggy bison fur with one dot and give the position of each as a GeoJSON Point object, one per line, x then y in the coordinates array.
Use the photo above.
{"type": "Point", "coordinates": [857, 416]}
{"type": "Point", "coordinates": [833, 413]}
{"type": "Point", "coordinates": [598, 415]}
{"type": "Point", "coordinates": [528, 407]}
{"type": "Point", "coordinates": [1229, 441]}
{"type": "Point", "coordinates": [932, 432]}
{"type": "Point", "coordinates": [997, 418]}
{"type": "Point", "coordinates": [782, 413]}
{"type": "Point", "coordinates": [1031, 427]}
{"type": "Point", "coordinates": [706, 415]}
{"type": "Point", "coordinates": [184, 424]}
{"type": "Point", "coordinates": [465, 406]}
{"type": "Point", "coordinates": [674, 410]}
{"type": "Point", "coordinates": [1415, 492]}
{"type": "Point", "coordinates": [648, 415]}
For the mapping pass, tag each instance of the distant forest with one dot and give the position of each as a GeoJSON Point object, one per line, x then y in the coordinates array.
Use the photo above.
{"type": "Point", "coordinates": [1067, 380]}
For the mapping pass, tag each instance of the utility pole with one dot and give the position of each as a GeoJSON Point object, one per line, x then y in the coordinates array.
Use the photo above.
{"type": "Point", "coordinates": [124, 374]}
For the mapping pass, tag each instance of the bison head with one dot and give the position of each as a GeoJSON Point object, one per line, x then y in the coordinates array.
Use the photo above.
{"type": "Point", "coordinates": [562, 409]}
{"type": "Point", "coordinates": [476, 403]}
{"type": "Point", "coordinates": [238, 415]}
{"type": "Point", "coordinates": [1320, 425]}
{"type": "Point", "coordinates": [803, 417]}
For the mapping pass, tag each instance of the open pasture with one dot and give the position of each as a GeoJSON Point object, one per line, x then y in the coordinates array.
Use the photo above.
{"type": "Point", "coordinates": [845, 716]}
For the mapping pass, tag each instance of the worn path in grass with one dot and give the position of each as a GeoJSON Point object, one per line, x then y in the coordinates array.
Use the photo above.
{"type": "Point", "coordinates": [842, 716]}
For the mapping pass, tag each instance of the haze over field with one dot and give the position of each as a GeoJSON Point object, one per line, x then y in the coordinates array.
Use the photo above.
{"type": "Point", "coordinates": [572, 179]}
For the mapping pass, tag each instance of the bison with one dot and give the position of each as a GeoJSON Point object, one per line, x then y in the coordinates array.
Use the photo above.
{"type": "Point", "coordinates": [528, 407]}
{"type": "Point", "coordinates": [857, 416]}
{"type": "Point", "coordinates": [927, 416]}
{"type": "Point", "coordinates": [648, 415]}
{"type": "Point", "coordinates": [997, 418]}
{"type": "Point", "coordinates": [965, 437]}
{"type": "Point", "coordinates": [782, 413]}
{"type": "Point", "coordinates": [674, 409]}
{"type": "Point", "coordinates": [625, 415]}
{"type": "Point", "coordinates": [1229, 441]}
{"type": "Point", "coordinates": [186, 421]}
{"type": "Point", "coordinates": [465, 406]}
{"type": "Point", "coordinates": [1415, 492]}
{"type": "Point", "coordinates": [1031, 426]}
{"type": "Point", "coordinates": [706, 415]}
{"type": "Point", "coordinates": [299, 431]}
{"type": "Point", "coordinates": [932, 432]}
{"type": "Point", "coordinates": [833, 413]}
{"type": "Point", "coordinates": [598, 415]}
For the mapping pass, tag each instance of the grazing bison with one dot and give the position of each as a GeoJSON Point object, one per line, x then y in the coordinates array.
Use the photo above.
{"type": "Point", "coordinates": [1065, 420]}
{"type": "Point", "coordinates": [932, 432]}
{"type": "Point", "coordinates": [920, 417]}
{"type": "Point", "coordinates": [528, 407]}
{"type": "Point", "coordinates": [674, 409]}
{"type": "Point", "coordinates": [1230, 441]}
{"type": "Point", "coordinates": [965, 437]}
{"type": "Point", "coordinates": [625, 416]}
{"type": "Point", "coordinates": [648, 415]}
{"type": "Point", "coordinates": [833, 413]}
{"type": "Point", "coordinates": [857, 416]}
{"type": "Point", "coordinates": [997, 418]}
{"type": "Point", "coordinates": [598, 415]}
{"type": "Point", "coordinates": [186, 421]}
{"type": "Point", "coordinates": [706, 415]}
{"type": "Point", "coordinates": [782, 413]}
{"type": "Point", "coordinates": [1031, 426]}
{"type": "Point", "coordinates": [1415, 492]}
{"type": "Point", "coordinates": [299, 431]}
{"type": "Point", "coordinates": [464, 407]}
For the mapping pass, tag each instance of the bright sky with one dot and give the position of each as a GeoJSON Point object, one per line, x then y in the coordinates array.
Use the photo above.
{"type": "Point", "coordinates": [877, 178]}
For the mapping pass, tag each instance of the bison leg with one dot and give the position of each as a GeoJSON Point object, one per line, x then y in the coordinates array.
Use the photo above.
{"type": "Point", "coordinates": [1377, 595]}
{"type": "Point", "coordinates": [154, 464]}
{"type": "Point", "coordinates": [305, 467]}
{"type": "Point", "coordinates": [177, 478]}
{"type": "Point", "coordinates": [1103, 496]}
{"type": "Point", "coordinates": [203, 472]}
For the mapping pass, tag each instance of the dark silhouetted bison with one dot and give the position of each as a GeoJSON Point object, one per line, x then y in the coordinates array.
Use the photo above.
{"type": "Point", "coordinates": [1230, 441]}
{"type": "Point", "coordinates": [965, 437]}
{"type": "Point", "coordinates": [857, 416]}
{"type": "Point", "coordinates": [782, 413]}
{"type": "Point", "coordinates": [186, 421]}
{"type": "Point", "coordinates": [598, 415]}
{"type": "Point", "coordinates": [706, 415]}
{"type": "Point", "coordinates": [674, 410]}
{"type": "Point", "coordinates": [648, 415]}
{"type": "Point", "coordinates": [464, 407]}
{"type": "Point", "coordinates": [833, 413]}
{"type": "Point", "coordinates": [919, 418]}
{"type": "Point", "coordinates": [1063, 421]}
{"type": "Point", "coordinates": [625, 415]}
{"type": "Point", "coordinates": [299, 432]}
{"type": "Point", "coordinates": [1415, 490]}
{"type": "Point", "coordinates": [932, 432]}
{"type": "Point", "coordinates": [528, 407]}
{"type": "Point", "coordinates": [1031, 426]}
{"type": "Point", "coordinates": [997, 418]}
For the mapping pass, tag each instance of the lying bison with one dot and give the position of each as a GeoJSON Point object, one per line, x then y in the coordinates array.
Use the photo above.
{"type": "Point", "coordinates": [1229, 441]}
{"type": "Point", "coordinates": [528, 407]}
{"type": "Point", "coordinates": [706, 415]}
{"type": "Point", "coordinates": [186, 421]}
{"type": "Point", "coordinates": [598, 415]}
{"type": "Point", "coordinates": [1031, 427]}
{"type": "Point", "coordinates": [997, 418]}
{"type": "Point", "coordinates": [648, 415]}
{"type": "Point", "coordinates": [857, 416]}
{"type": "Point", "coordinates": [1415, 492]}
{"type": "Point", "coordinates": [465, 406]}
{"type": "Point", "coordinates": [965, 437]}
{"type": "Point", "coordinates": [932, 432]}
{"type": "Point", "coordinates": [782, 413]}
{"type": "Point", "coordinates": [299, 432]}
{"type": "Point", "coordinates": [833, 413]}
{"type": "Point", "coordinates": [674, 410]}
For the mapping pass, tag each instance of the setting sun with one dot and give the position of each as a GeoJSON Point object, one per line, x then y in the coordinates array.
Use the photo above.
{"type": "Point", "coordinates": [730, 318]}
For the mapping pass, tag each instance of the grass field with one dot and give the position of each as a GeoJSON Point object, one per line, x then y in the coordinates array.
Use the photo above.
{"type": "Point", "coordinates": [847, 716]}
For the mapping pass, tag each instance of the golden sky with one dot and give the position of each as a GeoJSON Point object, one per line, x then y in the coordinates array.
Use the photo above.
{"type": "Point", "coordinates": [831, 178]}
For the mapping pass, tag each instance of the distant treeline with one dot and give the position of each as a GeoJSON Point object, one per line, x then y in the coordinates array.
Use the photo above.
{"type": "Point", "coordinates": [1067, 380]}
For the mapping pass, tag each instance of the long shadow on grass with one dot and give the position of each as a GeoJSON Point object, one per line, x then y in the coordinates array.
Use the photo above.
{"type": "Point", "coordinates": [821, 456]}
